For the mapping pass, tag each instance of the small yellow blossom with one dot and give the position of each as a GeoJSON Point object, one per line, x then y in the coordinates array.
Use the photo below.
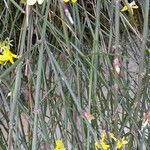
{"type": "Point", "coordinates": [73, 1]}
{"type": "Point", "coordinates": [97, 145]}
{"type": "Point", "coordinates": [101, 144]}
{"type": "Point", "coordinates": [130, 6]}
{"type": "Point", "coordinates": [32, 2]}
{"type": "Point", "coordinates": [121, 143]}
{"type": "Point", "coordinates": [59, 145]}
{"type": "Point", "coordinates": [7, 55]}
{"type": "Point", "coordinates": [112, 136]}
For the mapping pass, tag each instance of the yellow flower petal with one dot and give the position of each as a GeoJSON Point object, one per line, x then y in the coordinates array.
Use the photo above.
{"type": "Point", "coordinates": [74, 1]}
{"type": "Point", "coordinates": [40, 2]}
{"type": "Point", "coordinates": [112, 136]}
{"type": "Point", "coordinates": [66, 1]}
{"type": "Point", "coordinates": [97, 145]}
{"type": "Point", "coordinates": [104, 145]}
{"type": "Point", "coordinates": [31, 2]}
{"type": "Point", "coordinates": [125, 8]}
{"type": "Point", "coordinates": [101, 144]}
{"type": "Point", "coordinates": [7, 55]}
{"type": "Point", "coordinates": [130, 6]}
{"type": "Point", "coordinates": [121, 143]}
{"type": "Point", "coordinates": [59, 145]}
{"type": "Point", "coordinates": [133, 5]}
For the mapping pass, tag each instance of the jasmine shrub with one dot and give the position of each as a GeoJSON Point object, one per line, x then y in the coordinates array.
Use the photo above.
{"type": "Point", "coordinates": [74, 75]}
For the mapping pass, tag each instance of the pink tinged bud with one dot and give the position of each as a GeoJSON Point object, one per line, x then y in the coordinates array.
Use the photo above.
{"type": "Point", "coordinates": [116, 65]}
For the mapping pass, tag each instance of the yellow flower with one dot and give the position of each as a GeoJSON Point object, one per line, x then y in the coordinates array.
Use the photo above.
{"type": "Point", "coordinates": [7, 55]}
{"type": "Point", "coordinates": [101, 144]}
{"type": "Point", "coordinates": [130, 6]}
{"type": "Point", "coordinates": [59, 145]}
{"type": "Point", "coordinates": [112, 136]}
{"type": "Point", "coordinates": [121, 143]}
{"type": "Point", "coordinates": [73, 1]}
{"type": "Point", "coordinates": [32, 2]}
{"type": "Point", "coordinates": [97, 145]}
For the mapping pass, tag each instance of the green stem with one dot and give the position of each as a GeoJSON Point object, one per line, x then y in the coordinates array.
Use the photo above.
{"type": "Point", "coordinates": [141, 60]}
{"type": "Point", "coordinates": [117, 36]}
{"type": "Point", "coordinates": [38, 82]}
{"type": "Point", "coordinates": [93, 71]}
{"type": "Point", "coordinates": [16, 88]}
